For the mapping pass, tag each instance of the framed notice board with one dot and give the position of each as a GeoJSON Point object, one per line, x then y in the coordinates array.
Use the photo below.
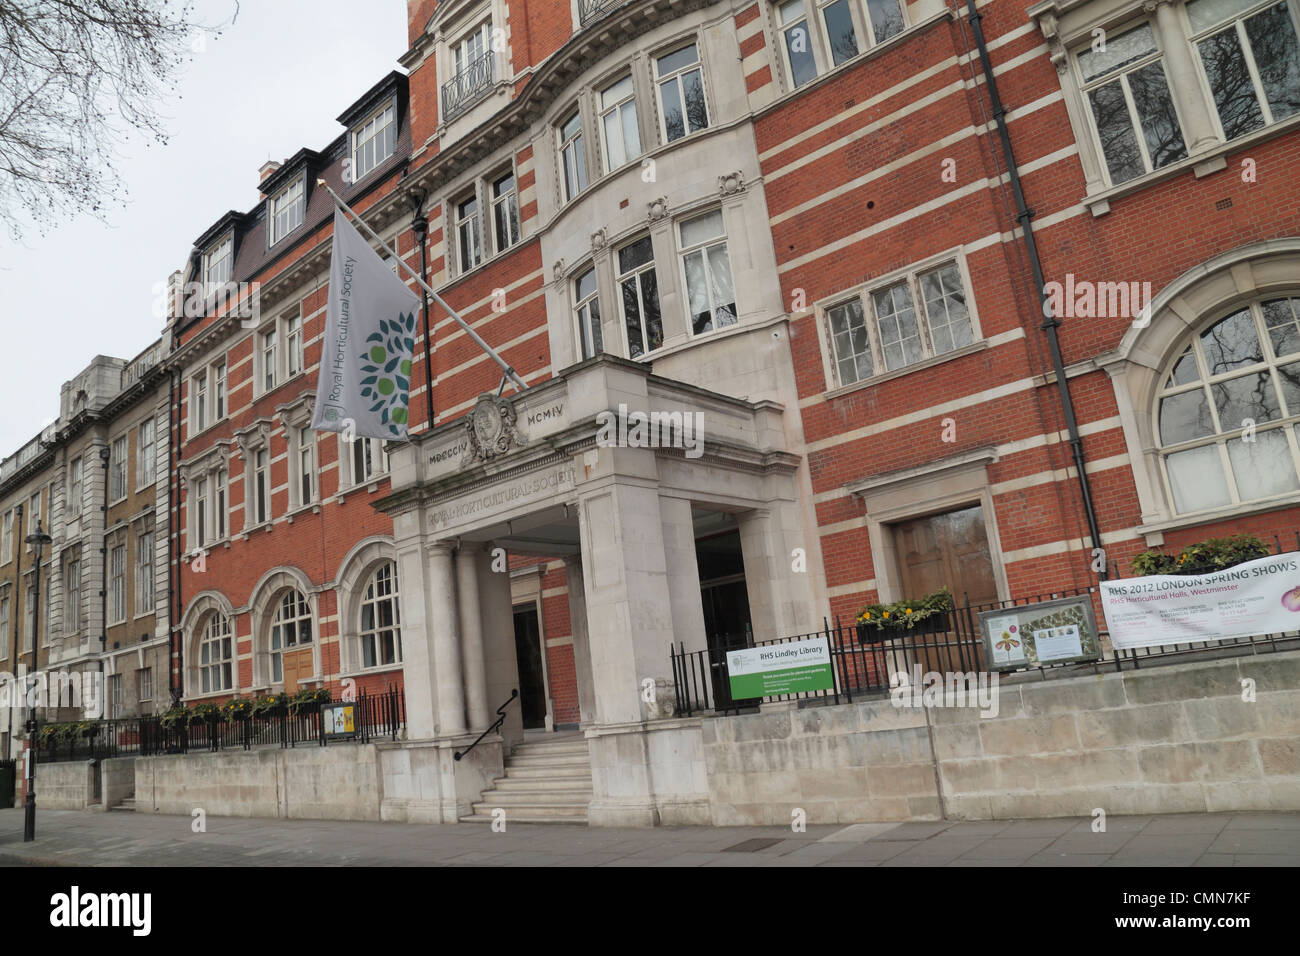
{"type": "Point", "coordinates": [340, 719]}
{"type": "Point", "coordinates": [1062, 631]}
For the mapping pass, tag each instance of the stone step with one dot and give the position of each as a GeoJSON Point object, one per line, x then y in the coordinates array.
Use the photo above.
{"type": "Point", "coordinates": [548, 773]}
{"type": "Point", "coordinates": [574, 745]}
{"type": "Point", "coordinates": [534, 799]}
{"type": "Point", "coordinates": [127, 805]}
{"type": "Point", "coordinates": [578, 819]}
{"type": "Point", "coordinates": [550, 760]}
{"type": "Point", "coordinates": [543, 785]}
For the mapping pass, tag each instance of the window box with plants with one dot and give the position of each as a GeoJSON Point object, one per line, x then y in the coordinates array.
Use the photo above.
{"type": "Point", "coordinates": [930, 614]}
{"type": "Point", "coordinates": [1202, 557]}
{"type": "Point", "coordinates": [308, 701]}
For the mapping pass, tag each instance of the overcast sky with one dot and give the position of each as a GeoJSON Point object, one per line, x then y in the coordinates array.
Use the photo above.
{"type": "Point", "coordinates": [270, 85]}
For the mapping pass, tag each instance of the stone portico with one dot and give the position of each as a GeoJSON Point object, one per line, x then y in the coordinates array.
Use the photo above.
{"type": "Point", "coordinates": [536, 475]}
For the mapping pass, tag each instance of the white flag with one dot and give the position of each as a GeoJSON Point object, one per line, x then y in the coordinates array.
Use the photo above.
{"type": "Point", "coordinates": [365, 367]}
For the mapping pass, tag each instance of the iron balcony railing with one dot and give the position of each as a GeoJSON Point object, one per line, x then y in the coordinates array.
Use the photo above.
{"type": "Point", "coordinates": [589, 11]}
{"type": "Point", "coordinates": [468, 86]}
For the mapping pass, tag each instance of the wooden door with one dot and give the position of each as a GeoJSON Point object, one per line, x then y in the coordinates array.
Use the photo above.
{"type": "Point", "coordinates": [298, 666]}
{"type": "Point", "coordinates": [949, 549]}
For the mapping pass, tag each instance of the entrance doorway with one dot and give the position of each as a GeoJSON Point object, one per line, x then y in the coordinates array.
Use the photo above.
{"type": "Point", "coordinates": [725, 599]}
{"type": "Point", "coordinates": [950, 549]}
{"type": "Point", "coordinates": [532, 679]}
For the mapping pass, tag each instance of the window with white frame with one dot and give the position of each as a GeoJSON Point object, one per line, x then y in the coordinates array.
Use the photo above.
{"type": "Point", "coordinates": [1229, 407]}
{"type": "Point", "coordinates": [147, 457]}
{"type": "Point", "coordinates": [114, 695]}
{"type": "Point", "coordinates": [219, 506]}
{"type": "Point", "coordinates": [218, 263]}
{"type": "Point", "coordinates": [1251, 59]}
{"type": "Point", "coordinates": [573, 158]}
{"type": "Point", "coordinates": [286, 210]}
{"type": "Point", "coordinates": [293, 345]}
{"type": "Point", "coordinates": [710, 293]}
{"type": "Point", "coordinates": [900, 322]}
{"type": "Point", "coordinates": [797, 42]}
{"type": "Point", "coordinates": [380, 625]}
{"type": "Point", "coordinates": [72, 596]}
{"type": "Point", "coordinates": [374, 140]}
{"type": "Point", "coordinates": [218, 391]}
{"type": "Point", "coordinates": [305, 462]}
{"type": "Point", "coordinates": [200, 512]}
{"type": "Point", "coordinates": [588, 314]}
{"type": "Point", "coordinates": [117, 470]}
{"type": "Point", "coordinates": [34, 506]}
{"type": "Point", "coordinates": [887, 19]}
{"type": "Point", "coordinates": [144, 582]}
{"type": "Point", "coordinates": [472, 46]}
{"type": "Point", "coordinates": [216, 657]}
{"type": "Point", "coordinates": [504, 196]}
{"type": "Point", "coordinates": [144, 683]}
{"type": "Point", "coordinates": [7, 537]}
{"type": "Point", "coordinates": [680, 80]}
{"type": "Point", "coordinates": [268, 357]}
{"type": "Point", "coordinates": [117, 584]}
{"type": "Point", "coordinates": [639, 296]}
{"type": "Point", "coordinates": [290, 627]}
{"type": "Point", "coordinates": [6, 620]}
{"type": "Point", "coordinates": [1130, 105]}
{"type": "Point", "coordinates": [261, 491]}
{"type": "Point", "coordinates": [469, 238]}
{"type": "Point", "coordinates": [367, 459]}
{"type": "Point", "coordinates": [620, 137]}
{"type": "Point", "coordinates": [199, 418]}
{"type": "Point", "coordinates": [76, 477]}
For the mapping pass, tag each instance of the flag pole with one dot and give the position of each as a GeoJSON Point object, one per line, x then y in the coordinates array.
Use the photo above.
{"type": "Point", "coordinates": [506, 368]}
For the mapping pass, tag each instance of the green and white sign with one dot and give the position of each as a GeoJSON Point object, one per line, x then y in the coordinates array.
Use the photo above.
{"type": "Point", "coordinates": [776, 669]}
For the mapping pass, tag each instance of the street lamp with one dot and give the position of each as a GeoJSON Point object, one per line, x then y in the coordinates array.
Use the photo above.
{"type": "Point", "coordinates": [38, 540]}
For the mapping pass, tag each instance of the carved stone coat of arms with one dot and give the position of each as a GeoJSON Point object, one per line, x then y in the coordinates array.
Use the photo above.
{"type": "Point", "coordinates": [491, 430]}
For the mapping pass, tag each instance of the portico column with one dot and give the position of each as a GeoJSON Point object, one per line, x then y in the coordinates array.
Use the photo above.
{"type": "Point", "coordinates": [444, 625]}
{"type": "Point", "coordinates": [471, 633]}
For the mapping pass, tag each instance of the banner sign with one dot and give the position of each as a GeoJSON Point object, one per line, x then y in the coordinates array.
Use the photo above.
{"type": "Point", "coordinates": [777, 669]}
{"type": "Point", "coordinates": [1048, 632]}
{"type": "Point", "coordinates": [1254, 598]}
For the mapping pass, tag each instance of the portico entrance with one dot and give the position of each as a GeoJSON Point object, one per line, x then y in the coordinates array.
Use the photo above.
{"type": "Point", "coordinates": [619, 522]}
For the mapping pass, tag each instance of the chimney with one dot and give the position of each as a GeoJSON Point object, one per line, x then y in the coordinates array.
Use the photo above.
{"type": "Point", "coordinates": [266, 169]}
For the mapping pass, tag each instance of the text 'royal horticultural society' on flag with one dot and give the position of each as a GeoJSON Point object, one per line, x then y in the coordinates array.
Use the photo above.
{"type": "Point", "coordinates": [365, 368]}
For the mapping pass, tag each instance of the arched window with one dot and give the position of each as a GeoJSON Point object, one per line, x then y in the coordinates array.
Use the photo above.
{"type": "Point", "coordinates": [381, 632]}
{"type": "Point", "coordinates": [216, 654]}
{"type": "Point", "coordinates": [1229, 406]}
{"type": "Point", "coordinates": [291, 627]}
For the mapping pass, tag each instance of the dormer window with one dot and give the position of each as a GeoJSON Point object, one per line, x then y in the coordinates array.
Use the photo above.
{"type": "Point", "coordinates": [286, 211]}
{"type": "Point", "coordinates": [374, 141]}
{"type": "Point", "coordinates": [217, 264]}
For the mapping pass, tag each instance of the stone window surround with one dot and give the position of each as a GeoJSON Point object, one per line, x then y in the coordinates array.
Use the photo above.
{"type": "Point", "coordinates": [1068, 24]}
{"type": "Point", "coordinates": [293, 416]}
{"type": "Point", "coordinates": [252, 439]}
{"type": "Point", "coordinates": [261, 613]}
{"type": "Point", "coordinates": [957, 481]}
{"type": "Point", "coordinates": [663, 220]}
{"type": "Point", "coordinates": [480, 186]}
{"type": "Point", "coordinates": [813, 11]}
{"type": "Point", "coordinates": [206, 465]}
{"type": "Point", "coordinates": [450, 23]}
{"type": "Point", "coordinates": [193, 622]}
{"type": "Point", "coordinates": [863, 290]}
{"type": "Point", "coordinates": [1194, 300]}
{"type": "Point", "coordinates": [355, 572]}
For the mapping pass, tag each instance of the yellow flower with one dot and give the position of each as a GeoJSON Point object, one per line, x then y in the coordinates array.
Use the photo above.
{"type": "Point", "coordinates": [886, 614]}
{"type": "Point", "coordinates": [909, 610]}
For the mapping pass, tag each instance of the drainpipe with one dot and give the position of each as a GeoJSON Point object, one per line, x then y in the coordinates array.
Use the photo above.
{"type": "Point", "coordinates": [421, 227]}
{"type": "Point", "coordinates": [13, 608]}
{"type": "Point", "coordinates": [1050, 323]}
{"type": "Point", "coordinates": [171, 526]}
{"type": "Point", "coordinates": [174, 682]}
{"type": "Point", "coordinates": [105, 454]}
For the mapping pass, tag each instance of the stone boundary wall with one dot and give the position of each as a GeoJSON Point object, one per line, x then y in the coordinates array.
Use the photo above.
{"type": "Point", "coordinates": [303, 783]}
{"type": "Point", "coordinates": [1161, 739]}
{"type": "Point", "coordinates": [67, 785]}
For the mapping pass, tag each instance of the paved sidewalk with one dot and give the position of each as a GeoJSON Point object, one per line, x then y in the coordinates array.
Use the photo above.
{"type": "Point", "coordinates": [114, 839]}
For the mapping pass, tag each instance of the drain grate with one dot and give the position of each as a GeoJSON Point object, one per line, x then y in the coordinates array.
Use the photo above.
{"type": "Point", "coordinates": [752, 846]}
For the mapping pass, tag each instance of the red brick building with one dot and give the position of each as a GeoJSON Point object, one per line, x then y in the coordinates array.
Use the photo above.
{"type": "Point", "coordinates": [829, 229]}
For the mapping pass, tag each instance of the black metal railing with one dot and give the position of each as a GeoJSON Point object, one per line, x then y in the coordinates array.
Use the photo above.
{"type": "Point", "coordinates": [589, 11]}
{"type": "Point", "coordinates": [864, 659]}
{"type": "Point", "coordinates": [377, 716]}
{"type": "Point", "coordinates": [495, 726]}
{"type": "Point", "coordinates": [468, 86]}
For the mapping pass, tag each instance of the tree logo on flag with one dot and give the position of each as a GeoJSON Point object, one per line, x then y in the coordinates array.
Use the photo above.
{"type": "Point", "coordinates": [386, 365]}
